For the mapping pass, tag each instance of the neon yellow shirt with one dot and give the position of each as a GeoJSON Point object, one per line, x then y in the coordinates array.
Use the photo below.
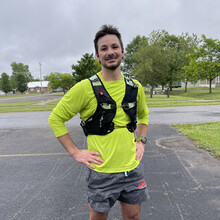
{"type": "Point", "coordinates": [118, 148]}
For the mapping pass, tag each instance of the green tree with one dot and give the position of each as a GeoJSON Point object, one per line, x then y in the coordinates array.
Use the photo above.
{"type": "Point", "coordinates": [129, 60]}
{"type": "Point", "coordinates": [205, 61]}
{"type": "Point", "coordinates": [176, 48]}
{"type": "Point", "coordinates": [21, 82]}
{"type": "Point", "coordinates": [5, 83]}
{"type": "Point", "coordinates": [20, 68]}
{"type": "Point", "coordinates": [86, 67]}
{"type": "Point", "coordinates": [66, 81]}
{"type": "Point", "coordinates": [54, 80]}
{"type": "Point", "coordinates": [61, 80]}
{"type": "Point", "coordinates": [150, 60]}
{"type": "Point", "coordinates": [188, 44]}
{"type": "Point", "coordinates": [150, 65]}
{"type": "Point", "coordinates": [159, 58]}
{"type": "Point", "coordinates": [173, 48]}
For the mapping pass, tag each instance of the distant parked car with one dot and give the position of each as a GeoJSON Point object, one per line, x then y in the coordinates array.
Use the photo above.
{"type": "Point", "coordinates": [177, 85]}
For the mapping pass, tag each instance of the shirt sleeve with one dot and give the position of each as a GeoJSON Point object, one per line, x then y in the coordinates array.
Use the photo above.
{"type": "Point", "coordinates": [142, 109]}
{"type": "Point", "coordinates": [69, 106]}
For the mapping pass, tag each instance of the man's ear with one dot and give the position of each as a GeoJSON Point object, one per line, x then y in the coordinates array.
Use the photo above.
{"type": "Point", "coordinates": [97, 56]}
{"type": "Point", "coordinates": [122, 51]}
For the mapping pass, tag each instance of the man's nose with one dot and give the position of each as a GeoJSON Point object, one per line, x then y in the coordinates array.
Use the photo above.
{"type": "Point", "coordinates": [110, 51]}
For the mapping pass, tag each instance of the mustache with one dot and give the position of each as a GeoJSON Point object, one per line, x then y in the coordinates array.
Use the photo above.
{"type": "Point", "coordinates": [113, 56]}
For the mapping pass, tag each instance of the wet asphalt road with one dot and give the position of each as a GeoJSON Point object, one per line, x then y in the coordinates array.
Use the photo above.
{"type": "Point", "coordinates": [39, 180]}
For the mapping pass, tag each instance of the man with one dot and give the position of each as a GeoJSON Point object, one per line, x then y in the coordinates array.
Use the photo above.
{"type": "Point", "coordinates": [108, 104]}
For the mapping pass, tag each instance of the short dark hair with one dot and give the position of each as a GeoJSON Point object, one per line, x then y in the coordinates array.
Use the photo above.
{"type": "Point", "coordinates": [104, 30]}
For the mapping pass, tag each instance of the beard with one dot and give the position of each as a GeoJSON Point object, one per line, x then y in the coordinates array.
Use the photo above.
{"type": "Point", "coordinates": [113, 66]}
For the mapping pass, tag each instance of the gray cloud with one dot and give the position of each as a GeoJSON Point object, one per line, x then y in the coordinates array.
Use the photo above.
{"type": "Point", "coordinates": [57, 33]}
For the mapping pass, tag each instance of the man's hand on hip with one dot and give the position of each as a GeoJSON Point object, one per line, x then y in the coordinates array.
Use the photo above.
{"type": "Point", "coordinates": [139, 150]}
{"type": "Point", "coordinates": [87, 157]}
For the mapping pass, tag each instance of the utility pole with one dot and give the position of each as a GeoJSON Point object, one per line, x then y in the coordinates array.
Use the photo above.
{"type": "Point", "coordinates": [40, 78]}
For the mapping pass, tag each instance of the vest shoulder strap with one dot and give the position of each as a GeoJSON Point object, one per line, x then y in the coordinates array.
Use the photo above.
{"type": "Point", "coordinates": [96, 82]}
{"type": "Point", "coordinates": [101, 93]}
{"type": "Point", "coordinates": [130, 82]}
{"type": "Point", "coordinates": [96, 85]}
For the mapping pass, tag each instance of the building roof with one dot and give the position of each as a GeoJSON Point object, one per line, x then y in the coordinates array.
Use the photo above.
{"type": "Point", "coordinates": [38, 84]}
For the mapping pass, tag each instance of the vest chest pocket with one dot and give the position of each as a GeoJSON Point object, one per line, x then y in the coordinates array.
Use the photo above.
{"type": "Point", "coordinates": [106, 106]}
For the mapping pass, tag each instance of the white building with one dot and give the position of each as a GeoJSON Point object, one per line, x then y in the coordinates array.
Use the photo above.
{"type": "Point", "coordinates": [204, 83]}
{"type": "Point", "coordinates": [38, 87]}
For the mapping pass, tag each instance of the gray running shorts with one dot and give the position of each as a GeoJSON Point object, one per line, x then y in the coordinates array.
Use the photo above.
{"type": "Point", "coordinates": [104, 189]}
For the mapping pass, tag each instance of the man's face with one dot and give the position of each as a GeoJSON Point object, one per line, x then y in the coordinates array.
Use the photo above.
{"type": "Point", "coordinates": [110, 51]}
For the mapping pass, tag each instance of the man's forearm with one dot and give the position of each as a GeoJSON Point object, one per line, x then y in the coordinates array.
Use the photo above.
{"type": "Point", "coordinates": [142, 130]}
{"type": "Point", "coordinates": [68, 144]}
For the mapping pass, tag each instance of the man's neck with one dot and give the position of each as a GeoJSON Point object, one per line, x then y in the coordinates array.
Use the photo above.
{"type": "Point", "coordinates": [111, 75]}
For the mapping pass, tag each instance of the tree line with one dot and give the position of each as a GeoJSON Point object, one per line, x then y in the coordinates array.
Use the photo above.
{"type": "Point", "coordinates": [21, 76]}
{"type": "Point", "coordinates": [160, 59]}
{"type": "Point", "coordinates": [18, 80]}
{"type": "Point", "coordinates": [163, 59]}
{"type": "Point", "coordinates": [85, 67]}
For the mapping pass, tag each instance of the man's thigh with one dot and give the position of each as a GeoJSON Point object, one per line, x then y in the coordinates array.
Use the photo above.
{"type": "Point", "coordinates": [94, 215]}
{"type": "Point", "coordinates": [130, 211]}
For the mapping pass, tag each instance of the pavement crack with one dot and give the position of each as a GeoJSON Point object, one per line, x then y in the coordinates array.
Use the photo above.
{"type": "Point", "coordinates": [167, 195]}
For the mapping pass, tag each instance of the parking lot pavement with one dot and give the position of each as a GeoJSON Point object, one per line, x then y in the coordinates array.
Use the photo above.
{"type": "Point", "coordinates": [40, 181]}
{"type": "Point", "coordinates": [183, 180]}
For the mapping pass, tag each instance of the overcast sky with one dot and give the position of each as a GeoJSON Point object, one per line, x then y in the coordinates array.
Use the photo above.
{"type": "Point", "coordinates": [58, 32]}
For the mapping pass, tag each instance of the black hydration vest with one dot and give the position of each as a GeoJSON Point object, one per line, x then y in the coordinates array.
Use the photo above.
{"type": "Point", "coordinates": [101, 122]}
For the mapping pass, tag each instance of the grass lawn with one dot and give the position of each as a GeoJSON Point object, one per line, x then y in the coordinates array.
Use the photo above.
{"type": "Point", "coordinates": [53, 102]}
{"type": "Point", "coordinates": [195, 93]}
{"type": "Point", "coordinates": [193, 97]}
{"type": "Point", "coordinates": [165, 99]}
{"type": "Point", "coordinates": [205, 135]}
{"type": "Point", "coordinates": [198, 94]}
{"type": "Point", "coordinates": [26, 106]}
{"type": "Point", "coordinates": [179, 104]}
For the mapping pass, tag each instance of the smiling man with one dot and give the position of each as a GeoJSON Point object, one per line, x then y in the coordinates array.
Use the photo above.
{"type": "Point", "coordinates": [111, 107]}
{"type": "Point", "coordinates": [110, 53]}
